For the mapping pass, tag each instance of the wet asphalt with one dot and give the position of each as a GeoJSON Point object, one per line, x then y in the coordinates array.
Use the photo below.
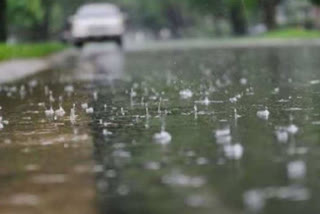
{"type": "Point", "coordinates": [197, 130]}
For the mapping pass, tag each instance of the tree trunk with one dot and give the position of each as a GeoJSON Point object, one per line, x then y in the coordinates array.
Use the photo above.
{"type": "Point", "coordinates": [238, 19]}
{"type": "Point", "coordinates": [175, 19]}
{"type": "Point", "coordinates": [3, 20]}
{"type": "Point", "coordinates": [269, 13]}
{"type": "Point", "coordinates": [317, 17]}
{"type": "Point", "coordinates": [217, 28]}
{"type": "Point", "coordinates": [45, 25]}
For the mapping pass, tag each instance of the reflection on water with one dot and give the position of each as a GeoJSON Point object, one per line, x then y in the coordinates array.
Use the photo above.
{"type": "Point", "coordinates": [45, 143]}
{"type": "Point", "coordinates": [107, 61]}
{"type": "Point", "coordinates": [101, 63]}
{"type": "Point", "coordinates": [241, 125]}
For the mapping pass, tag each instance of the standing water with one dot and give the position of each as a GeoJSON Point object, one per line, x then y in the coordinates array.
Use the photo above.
{"type": "Point", "coordinates": [241, 135]}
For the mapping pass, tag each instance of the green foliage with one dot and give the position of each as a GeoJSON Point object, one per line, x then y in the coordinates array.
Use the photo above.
{"type": "Point", "coordinates": [24, 13]}
{"type": "Point", "coordinates": [315, 2]}
{"type": "Point", "coordinates": [221, 7]}
{"type": "Point", "coordinates": [293, 33]}
{"type": "Point", "coordinates": [34, 19]}
{"type": "Point", "coordinates": [28, 50]}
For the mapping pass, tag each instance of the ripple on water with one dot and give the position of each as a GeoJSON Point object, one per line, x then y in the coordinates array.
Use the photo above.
{"type": "Point", "coordinates": [162, 137]}
{"type": "Point", "coordinates": [24, 199]}
{"type": "Point", "coordinates": [49, 179]}
{"type": "Point", "coordinates": [186, 94]}
{"type": "Point", "coordinates": [263, 114]}
{"type": "Point", "coordinates": [177, 179]}
{"type": "Point", "coordinates": [296, 169]}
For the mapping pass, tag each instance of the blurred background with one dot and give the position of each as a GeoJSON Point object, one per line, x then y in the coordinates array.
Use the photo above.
{"type": "Point", "coordinates": [43, 20]}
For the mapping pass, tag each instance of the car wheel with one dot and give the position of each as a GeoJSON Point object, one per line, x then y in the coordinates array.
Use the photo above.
{"type": "Point", "coordinates": [79, 44]}
{"type": "Point", "coordinates": [119, 41]}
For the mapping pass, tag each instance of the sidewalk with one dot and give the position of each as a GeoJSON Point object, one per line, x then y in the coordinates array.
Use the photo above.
{"type": "Point", "coordinates": [16, 69]}
{"type": "Point", "coordinates": [247, 42]}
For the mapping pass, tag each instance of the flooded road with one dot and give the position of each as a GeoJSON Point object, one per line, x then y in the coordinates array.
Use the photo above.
{"type": "Point", "coordinates": [232, 130]}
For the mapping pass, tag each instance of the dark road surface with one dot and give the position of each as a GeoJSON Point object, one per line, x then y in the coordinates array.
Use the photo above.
{"type": "Point", "coordinates": [189, 131]}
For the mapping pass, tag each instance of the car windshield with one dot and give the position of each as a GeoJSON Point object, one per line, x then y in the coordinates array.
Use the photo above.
{"type": "Point", "coordinates": [89, 11]}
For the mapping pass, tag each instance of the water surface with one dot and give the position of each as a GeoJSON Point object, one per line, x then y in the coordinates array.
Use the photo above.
{"type": "Point", "coordinates": [240, 130]}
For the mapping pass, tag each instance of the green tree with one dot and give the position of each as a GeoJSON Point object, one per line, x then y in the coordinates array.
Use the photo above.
{"type": "Point", "coordinates": [315, 2]}
{"type": "Point", "coordinates": [3, 20]}
{"type": "Point", "coordinates": [269, 12]}
{"type": "Point", "coordinates": [235, 10]}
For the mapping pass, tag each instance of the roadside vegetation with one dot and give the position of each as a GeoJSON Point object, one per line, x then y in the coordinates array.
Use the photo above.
{"type": "Point", "coordinates": [299, 33]}
{"type": "Point", "coordinates": [31, 50]}
{"type": "Point", "coordinates": [43, 20]}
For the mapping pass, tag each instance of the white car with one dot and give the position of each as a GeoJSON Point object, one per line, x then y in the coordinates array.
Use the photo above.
{"type": "Point", "coordinates": [97, 22]}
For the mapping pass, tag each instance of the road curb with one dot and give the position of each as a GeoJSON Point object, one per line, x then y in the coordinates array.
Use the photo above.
{"type": "Point", "coordinates": [16, 69]}
{"type": "Point", "coordinates": [188, 44]}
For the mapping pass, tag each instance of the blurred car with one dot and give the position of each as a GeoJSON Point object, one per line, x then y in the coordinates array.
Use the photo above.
{"type": "Point", "coordinates": [97, 22]}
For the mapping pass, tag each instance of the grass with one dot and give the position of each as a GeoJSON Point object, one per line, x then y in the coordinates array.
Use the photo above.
{"type": "Point", "coordinates": [293, 33]}
{"type": "Point", "coordinates": [28, 50]}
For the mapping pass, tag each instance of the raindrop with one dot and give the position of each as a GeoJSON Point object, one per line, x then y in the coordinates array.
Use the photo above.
{"type": "Point", "coordinates": [123, 190]}
{"type": "Point", "coordinates": [159, 106]}
{"type": "Point", "coordinates": [84, 105]}
{"type": "Point", "coordinates": [233, 152]}
{"type": "Point", "coordinates": [206, 101]}
{"type": "Point", "coordinates": [69, 89]}
{"type": "Point", "coordinates": [264, 114]}
{"type": "Point", "coordinates": [296, 169]}
{"type": "Point", "coordinates": [202, 161]}
{"type": "Point", "coordinates": [195, 110]}
{"type": "Point", "coordinates": [95, 95]}
{"type": "Point", "coordinates": [223, 136]}
{"type": "Point", "coordinates": [152, 165]}
{"type": "Point", "coordinates": [89, 110]}
{"type": "Point", "coordinates": [133, 93]}
{"type": "Point", "coordinates": [292, 129]}
{"type": "Point", "coordinates": [186, 94]}
{"type": "Point", "coordinates": [51, 99]}
{"type": "Point", "coordinates": [147, 111]}
{"type": "Point", "coordinates": [73, 115]}
{"type": "Point", "coordinates": [60, 112]}
{"type": "Point", "coordinates": [276, 91]}
{"type": "Point", "coordinates": [282, 135]}
{"type": "Point", "coordinates": [24, 199]}
{"type": "Point", "coordinates": [49, 112]}
{"type": "Point", "coordinates": [105, 132]}
{"type": "Point", "coordinates": [195, 201]}
{"type": "Point", "coordinates": [314, 82]}
{"type": "Point", "coordinates": [236, 115]}
{"type": "Point", "coordinates": [49, 179]}
{"type": "Point", "coordinates": [222, 132]}
{"type": "Point", "coordinates": [243, 81]}
{"type": "Point", "coordinates": [254, 200]}
{"type": "Point", "coordinates": [175, 178]}
{"type": "Point", "coordinates": [162, 137]}
{"type": "Point", "coordinates": [111, 173]}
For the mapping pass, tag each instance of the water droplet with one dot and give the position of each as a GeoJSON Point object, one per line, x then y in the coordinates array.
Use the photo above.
{"type": "Point", "coordinates": [296, 169]}
{"type": "Point", "coordinates": [186, 94]}
{"type": "Point", "coordinates": [233, 152]}
{"type": "Point", "coordinates": [254, 200]}
{"type": "Point", "coordinates": [264, 114]}
{"type": "Point", "coordinates": [89, 110]}
{"type": "Point", "coordinates": [162, 137]}
{"type": "Point", "coordinates": [49, 112]}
